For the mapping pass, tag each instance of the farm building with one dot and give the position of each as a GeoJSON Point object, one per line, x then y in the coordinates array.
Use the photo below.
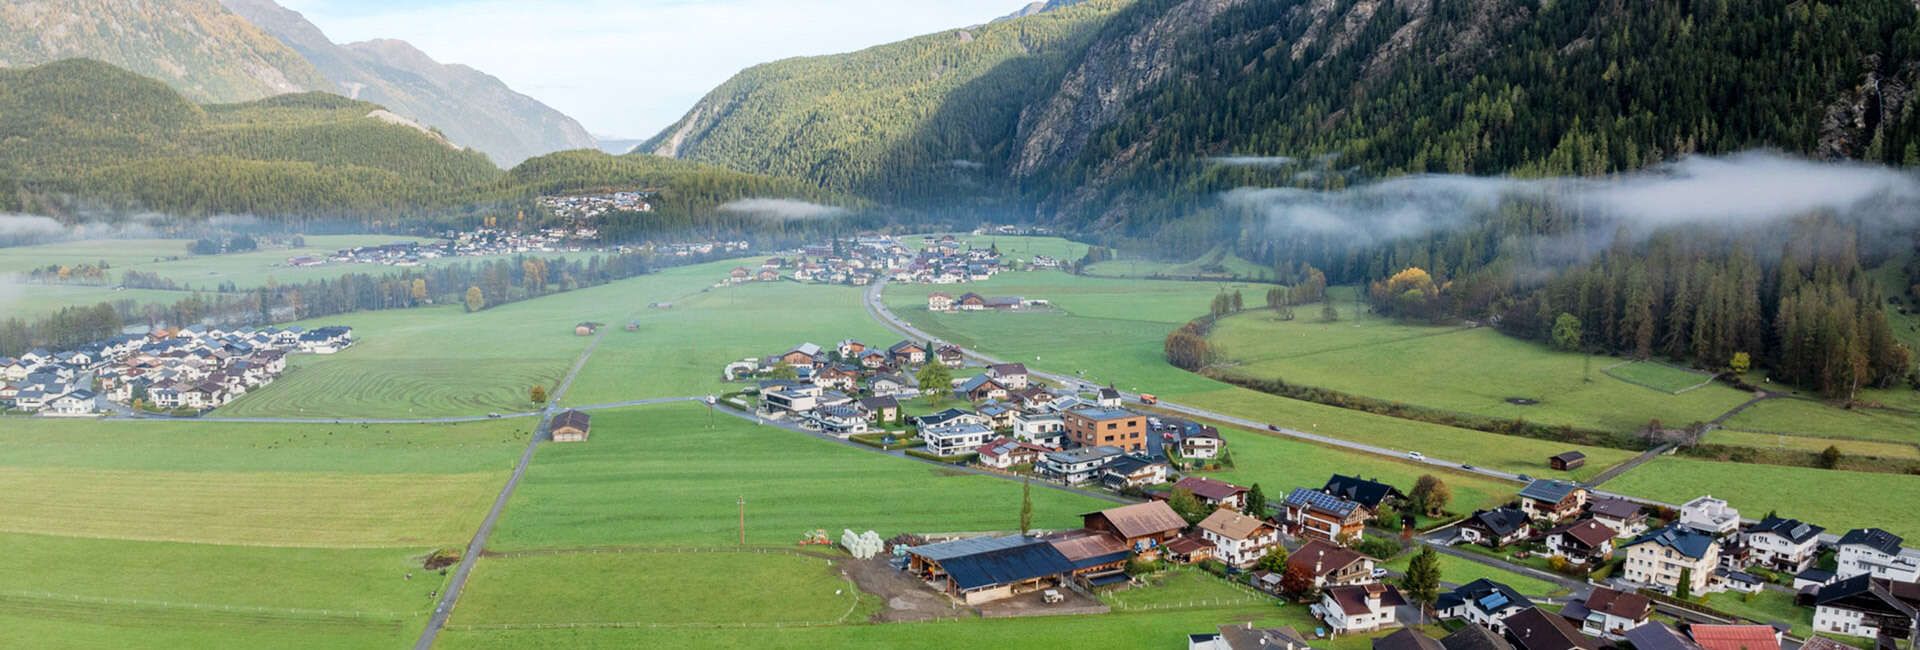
{"type": "Point", "coordinates": [1567, 461]}
{"type": "Point", "coordinates": [986, 569]}
{"type": "Point", "coordinates": [571, 426]}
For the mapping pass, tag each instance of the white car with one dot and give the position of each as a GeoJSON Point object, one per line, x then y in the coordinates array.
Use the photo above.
{"type": "Point", "coordinates": [1379, 573]}
{"type": "Point", "coordinates": [1416, 455]}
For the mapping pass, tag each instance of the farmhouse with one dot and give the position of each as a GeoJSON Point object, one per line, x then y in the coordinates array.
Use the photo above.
{"type": "Point", "coordinates": [986, 569]}
{"type": "Point", "coordinates": [907, 353]}
{"type": "Point", "coordinates": [1658, 558]}
{"type": "Point", "coordinates": [939, 301]}
{"type": "Point", "coordinates": [1482, 601]}
{"type": "Point", "coordinates": [1865, 606]}
{"type": "Point", "coordinates": [880, 408]}
{"type": "Point", "coordinates": [1317, 515]}
{"type": "Point", "coordinates": [1238, 540]}
{"type": "Point", "coordinates": [1329, 564]}
{"type": "Point", "coordinates": [1011, 375]}
{"type": "Point", "coordinates": [1091, 427]}
{"type": "Point", "coordinates": [980, 388]}
{"type": "Point", "coordinates": [1133, 470]}
{"type": "Point", "coordinates": [1143, 527]}
{"type": "Point", "coordinates": [1552, 501]}
{"type": "Point", "coordinates": [1625, 517]}
{"type": "Point", "coordinates": [571, 426]}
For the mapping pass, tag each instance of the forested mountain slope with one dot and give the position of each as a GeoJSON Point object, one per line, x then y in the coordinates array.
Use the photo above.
{"type": "Point", "coordinates": [1120, 123]}
{"type": "Point", "coordinates": [196, 46]}
{"type": "Point", "coordinates": [937, 112]}
{"type": "Point", "coordinates": [471, 107]}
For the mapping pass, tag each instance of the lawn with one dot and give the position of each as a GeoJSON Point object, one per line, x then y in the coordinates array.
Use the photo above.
{"type": "Point", "coordinates": [1654, 375]}
{"type": "Point", "coordinates": [1765, 607]}
{"type": "Point", "coordinates": [1815, 445]}
{"type": "Point", "coordinates": [1280, 464]}
{"type": "Point", "coordinates": [443, 361]}
{"type": "Point", "coordinates": [1217, 263]}
{"type": "Point", "coordinates": [1811, 418]}
{"type": "Point", "coordinates": [305, 509]}
{"type": "Point", "coordinates": [29, 299]}
{"type": "Point", "coordinates": [681, 351]}
{"type": "Point", "coordinates": [1183, 588]}
{"type": "Point", "coordinates": [659, 587]}
{"type": "Point", "coordinates": [1883, 500]}
{"type": "Point", "coordinates": [1112, 331]}
{"type": "Point", "coordinates": [1477, 371]}
{"type": "Point", "coordinates": [1461, 571]}
{"type": "Point", "coordinates": [659, 475]}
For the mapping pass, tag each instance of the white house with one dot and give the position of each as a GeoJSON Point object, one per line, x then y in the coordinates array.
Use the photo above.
{"type": "Point", "coordinates": [1079, 465]}
{"type": "Point", "coordinates": [1044, 429]}
{"type": "Point", "coordinates": [1787, 545]}
{"type": "Point", "coordinates": [1353, 609]}
{"type": "Point", "coordinates": [76, 403]}
{"type": "Point", "coordinates": [1863, 606]}
{"type": "Point", "coordinates": [1238, 540]}
{"type": "Point", "coordinates": [955, 439]}
{"type": "Point", "coordinates": [1201, 444]}
{"type": "Point", "coordinates": [1659, 558]}
{"type": "Point", "coordinates": [1875, 552]}
{"type": "Point", "coordinates": [1609, 613]}
{"type": "Point", "coordinates": [1709, 515]}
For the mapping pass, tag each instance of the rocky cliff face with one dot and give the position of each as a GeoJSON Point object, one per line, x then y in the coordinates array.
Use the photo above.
{"type": "Point", "coordinates": [196, 46]}
{"type": "Point", "coordinates": [471, 107]}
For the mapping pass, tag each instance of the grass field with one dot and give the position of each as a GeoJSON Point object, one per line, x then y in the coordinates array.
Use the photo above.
{"type": "Point", "coordinates": [1807, 417]}
{"type": "Point", "coordinates": [1475, 371]}
{"type": "Point", "coordinates": [1021, 249]}
{"type": "Point", "coordinates": [1657, 376]}
{"type": "Point", "coordinates": [196, 534]}
{"type": "Point", "coordinates": [1183, 586]}
{"type": "Point", "coordinates": [1766, 607]}
{"type": "Point", "coordinates": [1112, 331]}
{"type": "Point", "coordinates": [658, 475]}
{"type": "Point", "coordinates": [1883, 500]}
{"type": "Point", "coordinates": [443, 361]}
{"type": "Point", "coordinates": [681, 351]}
{"type": "Point", "coordinates": [651, 587]}
{"type": "Point", "coordinates": [1219, 262]}
{"type": "Point", "coordinates": [34, 299]}
{"type": "Point", "coordinates": [1816, 445]}
{"type": "Point", "coordinates": [1281, 464]}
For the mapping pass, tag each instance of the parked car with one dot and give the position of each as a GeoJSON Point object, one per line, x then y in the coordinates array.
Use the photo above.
{"type": "Point", "coordinates": [1416, 455]}
{"type": "Point", "coordinates": [1379, 573]}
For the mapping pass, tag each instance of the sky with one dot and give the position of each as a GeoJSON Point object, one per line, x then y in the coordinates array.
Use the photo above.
{"type": "Point", "coordinates": [630, 68]}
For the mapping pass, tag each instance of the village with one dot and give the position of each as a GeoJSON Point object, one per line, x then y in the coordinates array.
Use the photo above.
{"type": "Point", "coordinates": [863, 260]}
{"type": "Point", "coordinates": [185, 371]}
{"type": "Point", "coordinates": [490, 242]}
{"type": "Point", "coordinates": [1632, 570]}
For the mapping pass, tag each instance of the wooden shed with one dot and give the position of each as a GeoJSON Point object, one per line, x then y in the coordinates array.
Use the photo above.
{"type": "Point", "coordinates": [571, 426]}
{"type": "Point", "coordinates": [1567, 461]}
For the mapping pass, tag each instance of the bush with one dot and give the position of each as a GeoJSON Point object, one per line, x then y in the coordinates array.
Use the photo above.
{"type": "Point", "coordinates": [955, 460]}
{"type": "Point", "coordinates": [1215, 567]}
{"type": "Point", "coordinates": [1141, 567]}
{"type": "Point", "coordinates": [1379, 547]}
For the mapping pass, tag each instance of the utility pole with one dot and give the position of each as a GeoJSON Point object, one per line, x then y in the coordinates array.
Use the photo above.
{"type": "Point", "coordinates": [743, 520]}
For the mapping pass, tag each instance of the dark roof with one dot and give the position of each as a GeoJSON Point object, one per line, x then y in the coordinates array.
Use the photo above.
{"type": "Point", "coordinates": [1533, 629]}
{"type": "Point", "coordinates": [1569, 455]}
{"type": "Point", "coordinates": [1366, 492]}
{"type": "Point", "coordinates": [1619, 603]}
{"type": "Point", "coordinates": [1615, 507]}
{"type": "Point", "coordinates": [1407, 639]}
{"type": "Point", "coordinates": [880, 402]}
{"type": "Point", "coordinates": [1352, 599]}
{"type": "Point", "coordinates": [1484, 595]}
{"type": "Point", "coordinates": [1686, 541]}
{"type": "Point", "coordinates": [1129, 464]}
{"type": "Point", "coordinates": [1475, 637]}
{"type": "Point", "coordinates": [1655, 635]}
{"type": "Point", "coordinates": [1500, 521]}
{"type": "Point", "coordinates": [1207, 488]}
{"type": "Point", "coordinates": [1793, 530]}
{"type": "Point", "coordinates": [1305, 498]}
{"type": "Point", "coordinates": [1549, 490]}
{"type": "Point", "coordinates": [1864, 590]}
{"type": "Point", "coordinates": [1008, 368]}
{"type": "Point", "coordinates": [1327, 556]}
{"type": "Point", "coordinates": [1875, 538]}
{"type": "Point", "coordinates": [1032, 558]}
{"type": "Point", "coordinates": [1587, 531]}
{"type": "Point", "coordinates": [572, 419]}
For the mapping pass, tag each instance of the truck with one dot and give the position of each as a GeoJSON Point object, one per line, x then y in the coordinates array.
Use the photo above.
{"type": "Point", "coordinates": [1148, 399]}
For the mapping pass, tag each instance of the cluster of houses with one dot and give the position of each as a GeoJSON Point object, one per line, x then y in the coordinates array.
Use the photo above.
{"type": "Point", "coordinates": [1707, 547]}
{"type": "Point", "coordinates": [195, 368]}
{"type": "Point", "coordinates": [482, 242]}
{"type": "Point", "coordinates": [583, 207]}
{"type": "Point", "coordinates": [970, 301]}
{"type": "Point", "coordinates": [866, 259]}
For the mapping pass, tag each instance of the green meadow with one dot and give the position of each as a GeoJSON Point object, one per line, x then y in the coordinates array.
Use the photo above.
{"type": "Point", "coordinates": [673, 475]}
{"type": "Point", "coordinates": [1811, 418]}
{"type": "Point", "coordinates": [1883, 500]}
{"type": "Point", "coordinates": [1458, 570]}
{"type": "Point", "coordinates": [1465, 370]}
{"type": "Point", "coordinates": [1113, 332]}
{"type": "Point", "coordinates": [660, 587]}
{"type": "Point", "coordinates": [199, 534]}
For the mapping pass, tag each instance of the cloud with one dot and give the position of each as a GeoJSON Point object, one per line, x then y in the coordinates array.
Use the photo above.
{"type": "Point", "coordinates": [967, 164]}
{"type": "Point", "coordinates": [1748, 189]}
{"type": "Point", "coordinates": [633, 67]}
{"type": "Point", "coordinates": [1254, 161]}
{"type": "Point", "coordinates": [791, 209]}
{"type": "Point", "coordinates": [11, 291]}
{"type": "Point", "coordinates": [24, 229]}
{"type": "Point", "coordinates": [29, 226]}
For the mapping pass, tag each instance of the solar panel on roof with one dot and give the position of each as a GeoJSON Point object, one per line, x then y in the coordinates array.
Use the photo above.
{"type": "Point", "coordinates": [1493, 602]}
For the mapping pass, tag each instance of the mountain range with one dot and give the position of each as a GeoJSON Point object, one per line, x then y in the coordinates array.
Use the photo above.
{"type": "Point", "coordinates": [244, 50]}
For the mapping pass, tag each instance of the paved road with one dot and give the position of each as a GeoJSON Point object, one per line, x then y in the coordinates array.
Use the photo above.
{"type": "Point", "coordinates": [479, 542]}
